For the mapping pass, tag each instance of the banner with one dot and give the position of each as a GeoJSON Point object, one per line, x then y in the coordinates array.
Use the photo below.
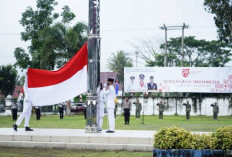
{"type": "Point", "coordinates": [178, 79]}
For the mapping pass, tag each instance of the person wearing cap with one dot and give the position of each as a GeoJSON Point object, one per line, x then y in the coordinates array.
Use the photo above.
{"type": "Point", "coordinates": [151, 85]}
{"type": "Point", "coordinates": [131, 85]}
{"type": "Point", "coordinates": [127, 108]}
{"type": "Point", "coordinates": [61, 110]}
{"type": "Point", "coordinates": [14, 110]}
{"type": "Point", "coordinates": [110, 94]}
{"type": "Point", "coordinates": [187, 109]}
{"type": "Point", "coordinates": [161, 109]}
{"type": "Point", "coordinates": [215, 110]}
{"type": "Point", "coordinates": [142, 85]}
{"type": "Point", "coordinates": [38, 112]}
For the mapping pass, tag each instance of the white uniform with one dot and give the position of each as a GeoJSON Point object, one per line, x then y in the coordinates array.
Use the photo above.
{"type": "Point", "coordinates": [110, 93]}
{"type": "Point", "coordinates": [27, 106]}
{"type": "Point", "coordinates": [100, 108]}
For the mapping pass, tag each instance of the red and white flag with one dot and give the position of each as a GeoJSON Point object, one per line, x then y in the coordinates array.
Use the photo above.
{"type": "Point", "coordinates": [53, 87]}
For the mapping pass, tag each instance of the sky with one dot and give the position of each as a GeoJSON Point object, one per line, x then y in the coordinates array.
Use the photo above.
{"type": "Point", "coordinates": [123, 23]}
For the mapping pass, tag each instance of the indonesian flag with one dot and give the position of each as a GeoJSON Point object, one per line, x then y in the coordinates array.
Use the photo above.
{"type": "Point", "coordinates": [44, 87]}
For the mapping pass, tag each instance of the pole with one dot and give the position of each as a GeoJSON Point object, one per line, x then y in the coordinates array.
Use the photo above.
{"type": "Point", "coordinates": [137, 53]}
{"type": "Point", "coordinates": [182, 45]}
{"type": "Point", "coordinates": [165, 53]}
{"type": "Point", "coordinates": [93, 64]}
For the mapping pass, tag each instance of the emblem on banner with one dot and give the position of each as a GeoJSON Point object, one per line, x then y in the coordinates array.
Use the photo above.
{"type": "Point", "coordinates": [185, 72]}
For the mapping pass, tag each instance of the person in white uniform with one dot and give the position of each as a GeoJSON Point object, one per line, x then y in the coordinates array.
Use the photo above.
{"type": "Point", "coordinates": [100, 107]}
{"type": "Point", "coordinates": [110, 94]}
{"type": "Point", "coordinates": [27, 106]}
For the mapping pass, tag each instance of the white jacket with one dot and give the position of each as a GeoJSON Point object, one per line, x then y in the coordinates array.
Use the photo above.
{"type": "Point", "coordinates": [110, 93]}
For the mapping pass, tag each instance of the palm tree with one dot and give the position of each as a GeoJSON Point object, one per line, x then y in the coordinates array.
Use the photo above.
{"type": "Point", "coordinates": [117, 62]}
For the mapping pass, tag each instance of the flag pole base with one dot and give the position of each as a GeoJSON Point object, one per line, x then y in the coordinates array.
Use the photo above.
{"type": "Point", "coordinates": [91, 113]}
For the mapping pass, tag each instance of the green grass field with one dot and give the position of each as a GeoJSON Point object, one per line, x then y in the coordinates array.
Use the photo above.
{"type": "Point", "coordinates": [26, 152]}
{"type": "Point", "coordinates": [196, 123]}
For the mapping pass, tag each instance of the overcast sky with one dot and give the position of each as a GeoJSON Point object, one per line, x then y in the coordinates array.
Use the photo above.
{"type": "Point", "coordinates": [123, 22]}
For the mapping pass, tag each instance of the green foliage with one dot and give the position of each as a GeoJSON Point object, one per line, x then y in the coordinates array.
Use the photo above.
{"type": "Point", "coordinates": [23, 60]}
{"type": "Point", "coordinates": [198, 53]}
{"type": "Point", "coordinates": [67, 15]}
{"type": "Point", "coordinates": [117, 62]}
{"type": "Point", "coordinates": [222, 138]}
{"type": "Point", "coordinates": [8, 79]}
{"type": "Point", "coordinates": [178, 138]}
{"type": "Point", "coordinates": [172, 138]}
{"type": "Point", "coordinates": [222, 9]}
{"type": "Point", "coordinates": [52, 45]}
{"type": "Point", "coordinates": [20, 80]}
{"type": "Point", "coordinates": [201, 141]}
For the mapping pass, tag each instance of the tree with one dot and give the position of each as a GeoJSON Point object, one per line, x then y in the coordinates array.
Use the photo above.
{"type": "Point", "coordinates": [67, 15]}
{"type": "Point", "coordinates": [117, 62]}
{"type": "Point", "coordinates": [60, 44]}
{"type": "Point", "coordinates": [7, 79]}
{"type": "Point", "coordinates": [197, 53]}
{"type": "Point", "coordinates": [222, 9]}
{"type": "Point", "coordinates": [52, 45]}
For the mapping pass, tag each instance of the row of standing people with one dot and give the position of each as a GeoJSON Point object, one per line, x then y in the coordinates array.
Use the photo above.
{"type": "Point", "coordinates": [161, 107]}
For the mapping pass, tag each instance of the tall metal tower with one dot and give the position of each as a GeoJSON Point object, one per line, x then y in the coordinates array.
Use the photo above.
{"type": "Point", "coordinates": [94, 42]}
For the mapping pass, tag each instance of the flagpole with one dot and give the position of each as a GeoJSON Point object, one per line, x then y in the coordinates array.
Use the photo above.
{"type": "Point", "coordinates": [93, 63]}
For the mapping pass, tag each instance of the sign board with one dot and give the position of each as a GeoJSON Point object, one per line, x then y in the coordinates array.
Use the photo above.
{"type": "Point", "coordinates": [178, 79]}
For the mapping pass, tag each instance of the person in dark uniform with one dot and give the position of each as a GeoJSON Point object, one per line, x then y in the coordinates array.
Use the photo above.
{"type": "Point", "coordinates": [85, 109]}
{"type": "Point", "coordinates": [61, 110]}
{"type": "Point", "coordinates": [38, 112]}
{"type": "Point", "coordinates": [138, 108]}
{"type": "Point", "coordinates": [151, 85]}
{"type": "Point", "coordinates": [187, 109]}
{"type": "Point", "coordinates": [161, 109]}
{"type": "Point", "coordinates": [115, 109]}
{"type": "Point", "coordinates": [14, 110]}
{"type": "Point", "coordinates": [127, 107]}
{"type": "Point", "coordinates": [215, 110]}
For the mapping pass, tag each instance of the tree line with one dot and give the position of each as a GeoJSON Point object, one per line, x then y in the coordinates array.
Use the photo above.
{"type": "Point", "coordinates": [53, 41]}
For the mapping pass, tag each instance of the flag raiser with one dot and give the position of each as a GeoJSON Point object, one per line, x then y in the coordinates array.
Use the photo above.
{"type": "Point", "coordinates": [53, 87]}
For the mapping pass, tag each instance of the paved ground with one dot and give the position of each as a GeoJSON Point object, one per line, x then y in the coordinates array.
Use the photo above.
{"type": "Point", "coordinates": [77, 132]}
{"type": "Point", "coordinates": [129, 140]}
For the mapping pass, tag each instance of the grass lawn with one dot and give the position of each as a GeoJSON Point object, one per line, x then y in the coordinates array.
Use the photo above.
{"type": "Point", "coordinates": [26, 152]}
{"type": "Point", "coordinates": [196, 123]}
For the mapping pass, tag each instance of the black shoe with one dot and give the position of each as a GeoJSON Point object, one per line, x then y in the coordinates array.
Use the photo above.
{"type": "Point", "coordinates": [15, 127]}
{"type": "Point", "coordinates": [99, 130]}
{"type": "Point", "coordinates": [109, 131]}
{"type": "Point", "coordinates": [28, 129]}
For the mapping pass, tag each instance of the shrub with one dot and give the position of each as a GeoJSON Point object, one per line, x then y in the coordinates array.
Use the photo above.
{"type": "Point", "coordinates": [222, 138]}
{"type": "Point", "coordinates": [172, 138]}
{"type": "Point", "coordinates": [178, 138]}
{"type": "Point", "coordinates": [201, 141]}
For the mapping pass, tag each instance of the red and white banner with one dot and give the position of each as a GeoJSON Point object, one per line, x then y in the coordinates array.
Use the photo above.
{"type": "Point", "coordinates": [178, 79]}
{"type": "Point", "coordinates": [51, 87]}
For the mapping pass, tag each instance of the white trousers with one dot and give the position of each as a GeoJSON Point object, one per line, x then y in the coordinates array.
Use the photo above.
{"type": "Point", "coordinates": [100, 116]}
{"type": "Point", "coordinates": [27, 106]}
{"type": "Point", "coordinates": [111, 118]}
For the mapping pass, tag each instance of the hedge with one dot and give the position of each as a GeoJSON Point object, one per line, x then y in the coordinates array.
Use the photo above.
{"type": "Point", "coordinates": [179, 138]}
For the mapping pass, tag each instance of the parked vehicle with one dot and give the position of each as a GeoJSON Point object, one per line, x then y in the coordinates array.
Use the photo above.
{"type": "Point", "coordinates": [78, 107]}
{"type": "Point", "coordinates": [2, 108]}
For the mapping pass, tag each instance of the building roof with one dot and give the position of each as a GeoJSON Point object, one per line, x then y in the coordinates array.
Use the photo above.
{"type": "Point", "coordinates": [105, 75]}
